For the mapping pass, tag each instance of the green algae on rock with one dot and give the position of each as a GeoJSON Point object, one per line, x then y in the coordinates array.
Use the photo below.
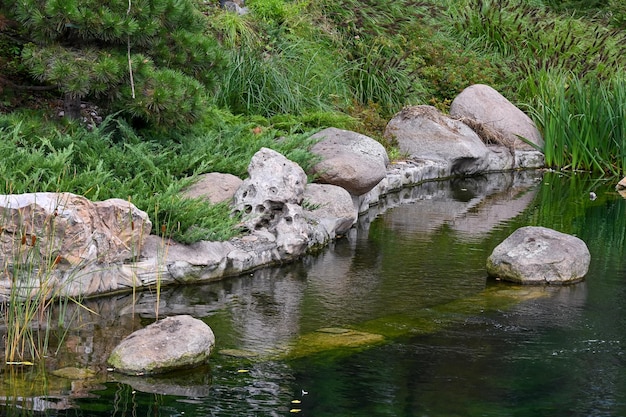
{"type": "Point", "coordinates": [74, 373]}
{"type": "Point", "coordinates": [331, 338]}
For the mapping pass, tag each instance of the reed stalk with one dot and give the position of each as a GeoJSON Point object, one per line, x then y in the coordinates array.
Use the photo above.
{"type": "Point", "coordinates": [26, 308]}
{"type": "Point", "coordinates": [34, 289]}
{"type": "Point", "coordinates": [582, 121]}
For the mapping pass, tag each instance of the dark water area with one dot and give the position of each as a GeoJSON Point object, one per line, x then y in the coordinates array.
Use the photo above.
{"type": "Point", "coordinates": [450, 341]}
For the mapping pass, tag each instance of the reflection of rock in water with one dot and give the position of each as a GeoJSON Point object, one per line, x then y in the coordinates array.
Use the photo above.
{"type": "Point", "coordinates": [196, 383]}
{"type": "Point", "coordinates": [562, 308]}
{"type": "Point", "coordinates": [267, 314]}
{"type": "Point", "coordinates": [472, 206]}
{"type": "Point", "coordinates": [263, 307]}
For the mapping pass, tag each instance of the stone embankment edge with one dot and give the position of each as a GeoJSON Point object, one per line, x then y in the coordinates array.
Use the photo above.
{"type": "Point", "coordinates": [166, 262]}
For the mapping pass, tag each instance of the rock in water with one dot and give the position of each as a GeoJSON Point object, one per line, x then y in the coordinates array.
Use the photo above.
{"type": "Point", "coordinates": [173, 343]}
{"type": "Point", "coordinates": [538, 255]}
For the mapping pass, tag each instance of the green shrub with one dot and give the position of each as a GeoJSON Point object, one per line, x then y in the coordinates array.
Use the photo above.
{"type": "Point", "coordinates": [151, 171]}
{"type": "Point", "coordinates": [123, 53]}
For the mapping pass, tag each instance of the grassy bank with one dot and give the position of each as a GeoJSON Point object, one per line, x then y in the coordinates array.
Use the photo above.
{"type": "Point", "coordinates": [289, 68]}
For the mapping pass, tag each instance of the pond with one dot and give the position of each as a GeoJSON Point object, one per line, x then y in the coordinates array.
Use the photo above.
{"type": "Point", "coordinates": [396, 319]}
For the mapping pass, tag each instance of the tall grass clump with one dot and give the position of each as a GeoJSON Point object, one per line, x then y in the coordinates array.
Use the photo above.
{"type": "Point", "coordinates": [379, 75]}
{"type": "Point", "coordinates": [401, 53]}
{"type": "Point", "coordinates": [296, 78]}
{"type": "Point", "coordinates": [583, 122]}
{"type": "Point", "coordinates": [374, 52]}
{"type": "Point", "coordinates": [613, 12]}
{"type": "Point", "coordinates": [233, 29]}
{"type": "Point", "coordinates": [279, 62]}
{"type": "Point", "coordinates": [533, 38]}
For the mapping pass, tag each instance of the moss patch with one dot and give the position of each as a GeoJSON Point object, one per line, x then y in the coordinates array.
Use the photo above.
{"type": "Point", "coordinates": [430, 320]}
{"type": "Point", "coordinates": [74, 373]}
{"type": "Point", "coordinates": [329, 339]}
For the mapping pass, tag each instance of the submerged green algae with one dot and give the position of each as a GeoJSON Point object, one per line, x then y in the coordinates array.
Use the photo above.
{"type": "Point", "coordinates": [501, 296]}
{"type": "Point", "coordinates": [430, 320]}
{"type": "Point", "coordinates": [329, 339]}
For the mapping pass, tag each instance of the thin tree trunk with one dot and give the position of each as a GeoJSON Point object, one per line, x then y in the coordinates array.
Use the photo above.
{"type": "Point", "coordinates": [71, 106]}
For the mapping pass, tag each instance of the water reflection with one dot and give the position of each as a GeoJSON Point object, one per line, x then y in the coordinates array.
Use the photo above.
{"type": "Point", "coordinates": [413, 272]}
{"type": "Point", "coordinates": [472, 207]}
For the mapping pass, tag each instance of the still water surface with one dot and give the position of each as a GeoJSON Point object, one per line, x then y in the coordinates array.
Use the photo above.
{"type": "Point", "coordinates": [455, 342]}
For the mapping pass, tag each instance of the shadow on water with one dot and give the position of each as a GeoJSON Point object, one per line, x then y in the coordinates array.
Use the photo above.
{"type": "Point", "coordinates": [397, 319]}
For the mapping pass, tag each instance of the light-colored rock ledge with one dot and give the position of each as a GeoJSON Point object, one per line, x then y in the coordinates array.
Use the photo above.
{"type": "Point", "coordinates": [170, 262]}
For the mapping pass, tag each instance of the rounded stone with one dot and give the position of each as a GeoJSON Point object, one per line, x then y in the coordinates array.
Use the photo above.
{"type": "Point", "coordinates": [349, 160]}
{"type": "Point", "coordinates": [538, 255]}
{"type": "Point", "coordinates": [173, 343]}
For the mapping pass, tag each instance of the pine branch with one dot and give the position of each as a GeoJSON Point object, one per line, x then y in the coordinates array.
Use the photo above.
{"type": "Point", "coordinates": [11, 84]}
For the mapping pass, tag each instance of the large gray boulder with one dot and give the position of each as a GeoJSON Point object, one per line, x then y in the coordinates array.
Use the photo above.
{"type": "Point", "coordinates": [215, 187]}
{"type": "Point", "coordinates": [424, 133]}
{"type": "Point", "coordinates": [349, 160]}
{"type": "Point", "coordinates": [173, 343]}
{"type": "Point", "coordinates": [331, 206]}
{"type": "Point", "coordinates": [68, 230]}
{"type": "Point", "coordinates": [270, 201]}
{"type": "Point", "coordinates": [538, 255]}
{"type": "Point", "coordinates": [483, 104]}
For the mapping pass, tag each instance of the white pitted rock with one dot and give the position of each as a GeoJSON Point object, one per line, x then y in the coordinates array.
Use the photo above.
{"type": "Point", "coordinates": [270, 200]}
{"type": "Point", "coordinates": [330, 206]}
{"type": "Point", "coordinates": [538, 255]}
{"type": "Point", "coordinates": [70, 229]}
{"type": "Point", "coordinates": [215, 187]}
{"type": "Point", "coordinates": [424, 133]}
{"type": "Point", "coordinates": [349, 160]}
{"type": "Point", "coordinates": [173, 343]}
{"type": "Point", "coordinates": [483, 104]}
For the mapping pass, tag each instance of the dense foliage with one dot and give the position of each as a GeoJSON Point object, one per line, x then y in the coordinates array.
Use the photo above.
{"type": "Point", "coordinates": [148, 58]}
{"type": "Point", "coordinates": [189, 87]}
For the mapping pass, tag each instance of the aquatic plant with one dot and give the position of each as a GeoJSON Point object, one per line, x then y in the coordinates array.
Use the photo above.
{"type": "Point", "coordinates": [30, 278]}
{"type": "Point", "coordinates": [42, 275]}
{"type": "Point", "coordinates": [583, 122]}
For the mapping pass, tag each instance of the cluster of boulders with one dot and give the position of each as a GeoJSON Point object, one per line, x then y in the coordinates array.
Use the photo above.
{"type": "Point", "coordinates": [97, 248]}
